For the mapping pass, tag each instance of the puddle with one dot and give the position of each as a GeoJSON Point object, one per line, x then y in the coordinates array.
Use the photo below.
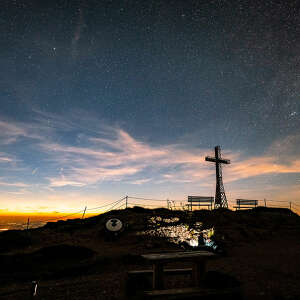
{"type": "Point", "coordinates": [180, 233]}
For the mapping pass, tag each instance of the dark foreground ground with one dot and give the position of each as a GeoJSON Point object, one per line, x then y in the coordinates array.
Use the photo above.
{"type": "Point", "coordinates": [75, 260]}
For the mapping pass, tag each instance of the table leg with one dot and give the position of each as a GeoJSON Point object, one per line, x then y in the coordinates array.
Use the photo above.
{"type": "Point", "coordinates": [158, 276]}
{"type": "Point", "coordinates": [198, 272]}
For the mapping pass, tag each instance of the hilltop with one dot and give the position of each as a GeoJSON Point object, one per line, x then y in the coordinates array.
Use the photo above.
{"type": "Point", "coordinates": [75, 259]}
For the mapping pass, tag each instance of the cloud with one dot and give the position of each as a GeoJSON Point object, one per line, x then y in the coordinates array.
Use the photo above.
{"type": "Point", "coordinates": [256, 166]}
{"type": "Point", "coordinates": [96, 152]}
{"type": "Point", "coordinates": [10, 132]}
{"type": "Point", "coordinates": [4, 158]}
{"type": "Point", "coordinates": [59, 182]}
{"type": "Point", "coordinates": [14, 184]}
{"type": "Point", "coordinates": [119, 156]}
{"type": "Point", "coordinates": [140, 181]}
{"type": "Point", "coordinates": [21, 192]}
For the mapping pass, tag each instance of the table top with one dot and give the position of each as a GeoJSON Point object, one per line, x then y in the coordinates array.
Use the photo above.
{"type": "Point", "coordinates": [182, 255]}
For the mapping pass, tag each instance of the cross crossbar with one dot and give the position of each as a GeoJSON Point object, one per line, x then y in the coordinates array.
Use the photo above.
{"type": "Point", "coordinates": [213, 159]}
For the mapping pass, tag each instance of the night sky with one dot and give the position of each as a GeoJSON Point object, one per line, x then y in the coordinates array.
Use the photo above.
{"type": "Point", "coordinates": [100, 99]}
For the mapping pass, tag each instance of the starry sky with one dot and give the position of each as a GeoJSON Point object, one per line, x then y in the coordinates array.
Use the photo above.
{"type": "Point", "coordinates": [102, 99]}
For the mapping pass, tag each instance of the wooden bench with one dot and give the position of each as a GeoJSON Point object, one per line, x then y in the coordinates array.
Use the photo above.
{"type": "Point", "coordinates": [198, 259]}
{"type": "Point", "coordinates": [243, 203]}
{"type": "Point", "coordinates": [198, 290]}
{"type": "Point", "coordinates": [139, 281]}
{"type": "Point", "coordinates": [200, 201]}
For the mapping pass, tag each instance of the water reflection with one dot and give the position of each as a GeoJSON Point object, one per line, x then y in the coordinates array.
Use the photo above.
{"type": "Point", "coordinates": [179, 233]}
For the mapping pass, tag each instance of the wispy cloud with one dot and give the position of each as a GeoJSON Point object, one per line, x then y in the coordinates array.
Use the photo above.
{"type": "Point", "coordinates": [255, 166]}
{"type": "Point", "coordinates": [9, 132]}
{"type": "Point", "coordinates": [119, 156]}
{"type": "Point", "coordinates": [4, 158]}
{"type": "Point", "coordinates": [140, 181]}
{"type": "Point", "coordinates": [59, 182]}
{"type": "Point", "coordinates": [98, 153]}
{"type": "Point", "coordinates": [13, 184]}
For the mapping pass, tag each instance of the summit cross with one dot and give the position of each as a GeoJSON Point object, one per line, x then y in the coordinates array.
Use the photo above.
{"type": "Point", "coordinates": [220, 198]}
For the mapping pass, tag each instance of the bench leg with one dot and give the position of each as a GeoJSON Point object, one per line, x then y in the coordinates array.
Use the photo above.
{"type": "Point", "coordinates": [198, 272]}
{"type": "Point", "coordinates": [158, 276]}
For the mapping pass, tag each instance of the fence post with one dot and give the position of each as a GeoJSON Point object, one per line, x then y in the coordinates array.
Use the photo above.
{"type": "Point", "coordinates": [265, 202]}
{"type": "Point", "coordinates": [27, 224]}
{"type": "Point", "coordinates": [83, 213]}
{"type": "Point", "coordinates": [290, 206]}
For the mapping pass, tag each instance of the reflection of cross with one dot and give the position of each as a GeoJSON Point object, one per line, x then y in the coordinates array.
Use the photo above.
{"type": "Point", "coordinates": [220, 199]}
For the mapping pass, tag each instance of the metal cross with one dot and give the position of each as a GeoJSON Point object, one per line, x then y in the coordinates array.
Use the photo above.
{"type": "Point", "coordinates": [220, 198]}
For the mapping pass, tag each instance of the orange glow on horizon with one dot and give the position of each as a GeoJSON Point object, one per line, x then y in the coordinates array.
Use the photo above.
{"type": "Point", "coordinates": [46, 214]}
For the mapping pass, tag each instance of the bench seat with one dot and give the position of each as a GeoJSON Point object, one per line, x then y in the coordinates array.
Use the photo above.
{"type": "Point", "coordinates": [193, 293]}
{"type": "Point", "coordinates": [183, 271]}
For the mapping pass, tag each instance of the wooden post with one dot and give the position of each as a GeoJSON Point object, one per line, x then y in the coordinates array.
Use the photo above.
{"type": "Point", "coordinates": [198, 272]}
{"type": "Point", "coordinates": [27, 224]}
{"type": "Point", "coordinates": [265, 202]}
{"type": "Point", "coordinates": [126, 202]}
{"type": "Point", "coordinates": [83, 213]}
{"type": "Point", "coordinates": [290, 206]}
{"type": "Point", "coordinates": [158, 273]}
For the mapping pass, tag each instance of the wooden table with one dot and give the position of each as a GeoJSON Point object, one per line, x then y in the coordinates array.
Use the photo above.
{"type": "Point", "coordinates": [198, 259]}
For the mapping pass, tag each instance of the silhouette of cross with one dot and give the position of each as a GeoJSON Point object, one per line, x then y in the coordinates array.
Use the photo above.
{"type": "Point", "coordinates": [220, 198]}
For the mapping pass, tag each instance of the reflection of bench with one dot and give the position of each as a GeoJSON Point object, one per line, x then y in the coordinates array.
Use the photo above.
{"type": "Point", "coordinates": [200, 201]}
{"type": "Point", "coordinates": [243, 203]}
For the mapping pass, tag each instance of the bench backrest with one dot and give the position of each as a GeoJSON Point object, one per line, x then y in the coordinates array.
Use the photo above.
{"type": "Point", "coordinates": [246, 202]}
{"type": "Point", "coordinates": [200, 199]}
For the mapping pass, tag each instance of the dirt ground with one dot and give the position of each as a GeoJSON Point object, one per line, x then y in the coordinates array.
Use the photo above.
{"type": "Point", "coordinates": [262, 253]}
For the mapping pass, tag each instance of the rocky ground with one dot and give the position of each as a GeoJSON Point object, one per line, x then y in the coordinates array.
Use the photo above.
{"type": "Point", "coordinates": [76, 259]}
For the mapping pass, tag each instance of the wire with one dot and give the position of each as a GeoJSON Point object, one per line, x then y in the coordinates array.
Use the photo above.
{"type": "Point", "coordinates": [142, 204]}
{"type": "Point", "coordinates": [118, 207]}
{"type": "Point", "coordinates": [114, 205]}
{"type": "Point", "coordinates": [277, 201]}
{"type": "Point", "coordinates": [276, 206]}
{"type": "Point", "coordinates": [105, 204]}
{"type": "Point", "coordinates": [150, 199]}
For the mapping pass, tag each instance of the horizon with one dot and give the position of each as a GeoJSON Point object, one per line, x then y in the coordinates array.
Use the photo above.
{"type": "Point", "coordinates": [179, 205]}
